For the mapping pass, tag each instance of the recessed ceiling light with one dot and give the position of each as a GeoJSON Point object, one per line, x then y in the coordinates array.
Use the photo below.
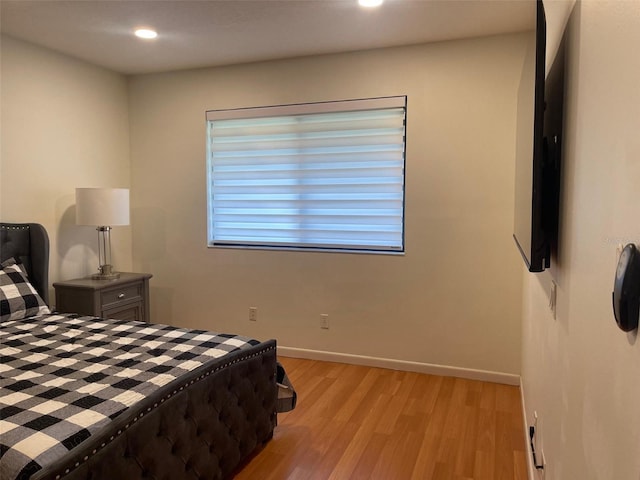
{"type": "Point", "coordinates": [146, 33]}
{"type": "Point", "coordinates": [370, 3]}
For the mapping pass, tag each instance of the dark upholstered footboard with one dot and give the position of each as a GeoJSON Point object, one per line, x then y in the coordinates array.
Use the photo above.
{"type": "Point", "coordinates": [201, 428]}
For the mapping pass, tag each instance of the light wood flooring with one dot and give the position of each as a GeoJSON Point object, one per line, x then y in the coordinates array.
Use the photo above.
{"type": "Point", "coordinates": [355, 422]}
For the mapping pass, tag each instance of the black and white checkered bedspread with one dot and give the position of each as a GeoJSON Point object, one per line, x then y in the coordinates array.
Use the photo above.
{"type": "Point", "coordinates": [64, 377]}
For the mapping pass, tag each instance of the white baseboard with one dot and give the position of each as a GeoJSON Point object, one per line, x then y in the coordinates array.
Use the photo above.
{"type": "Point", "coordinates": [469, 373]}
{"type": "Point", "coordinates": [530, 467]}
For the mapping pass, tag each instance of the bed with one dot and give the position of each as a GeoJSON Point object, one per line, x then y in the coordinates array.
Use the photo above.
{"type": "Point", "coordinates": [170, 403]}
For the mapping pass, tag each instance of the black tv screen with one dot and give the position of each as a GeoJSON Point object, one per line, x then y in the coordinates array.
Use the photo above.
{"type": "Point", "coordinates": [538, 155]}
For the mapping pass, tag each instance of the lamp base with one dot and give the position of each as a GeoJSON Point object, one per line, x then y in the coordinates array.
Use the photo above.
{"type": "Point", "coordinates": [102, 276]}
{"type": "Point", "coordinates": [106, 273]}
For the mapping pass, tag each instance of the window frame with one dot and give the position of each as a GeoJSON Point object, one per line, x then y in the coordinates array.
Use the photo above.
{"type": "Point", "coordinates": [377, 103]}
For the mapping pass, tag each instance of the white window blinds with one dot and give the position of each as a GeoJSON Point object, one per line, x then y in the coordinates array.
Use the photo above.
{"type": "Point", "coordinates": [315, 176]}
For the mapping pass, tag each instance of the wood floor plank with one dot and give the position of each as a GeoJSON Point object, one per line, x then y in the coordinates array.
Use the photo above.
{"type": "Point", "coordinates": [395, 406]}
{"type": "Point", "coordinates": [355, 422]}
{"type": "Point", "coordinates": [465, 459]}
{"type": "Point", "coordinates": [504, 464]}
{"type": "Point", "coordinates": [325, 466]}
{"type": "Point", "coordinates": [357, 398]}
{"type": "Point", "coordinates": [426, 463]}
{"type": "Point", "coordinates": [488, 396]}
{"type": "Point", "coordinates": [520, 465]}
{"type": "Point", "coordinates": [357, 446]}
{"type": "Point", "coordinates": [484, 465]}
{"type": "Point", "coordinates": [364, 468]}
{"type": "Point", "coordinates": [397, 456]}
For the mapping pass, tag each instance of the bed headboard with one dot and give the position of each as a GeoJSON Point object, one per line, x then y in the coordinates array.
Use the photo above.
{"type": "Point", "coordinates": [29, 242]}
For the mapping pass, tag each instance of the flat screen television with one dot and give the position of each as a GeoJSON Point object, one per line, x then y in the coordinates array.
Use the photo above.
{"type": "Point", "coordinates": [537, 188]}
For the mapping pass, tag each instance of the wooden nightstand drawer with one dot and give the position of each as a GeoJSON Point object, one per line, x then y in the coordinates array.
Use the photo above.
{"type": "Point", "coordinates": [125, 298]}
{"type": "Point", "coordinates": [125, 293]}
{"type": "Point", "coordinates": [132, 311]}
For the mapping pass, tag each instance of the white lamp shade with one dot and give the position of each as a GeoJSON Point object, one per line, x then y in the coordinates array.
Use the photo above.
{"type": "Point", "coordinates": [102, 207]}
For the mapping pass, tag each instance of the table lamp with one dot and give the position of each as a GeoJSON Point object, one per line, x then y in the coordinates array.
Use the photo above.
{"type": "Point", "coordinates": [103, 208]}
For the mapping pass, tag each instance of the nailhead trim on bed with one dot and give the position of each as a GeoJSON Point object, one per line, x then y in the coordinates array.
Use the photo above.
{"type": "Point", "coordinates": [74, 468]}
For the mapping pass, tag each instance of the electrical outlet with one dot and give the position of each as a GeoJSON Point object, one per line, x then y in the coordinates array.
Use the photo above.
{"type": "Point", "coordinates": [324, 321]}
{"type": "Point", "coordinates": [253, 314]}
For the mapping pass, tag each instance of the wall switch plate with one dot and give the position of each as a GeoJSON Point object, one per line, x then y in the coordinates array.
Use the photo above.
{"type": "Point", "coordinates": [253, 314]}
{"type": "Point", "coordinates": [324, 321]}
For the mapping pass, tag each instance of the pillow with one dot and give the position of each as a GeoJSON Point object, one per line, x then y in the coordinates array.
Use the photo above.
{"type": "Point", "coordinates": [11, 261]}
{"type": "Point", "coordinates": [18, 298]}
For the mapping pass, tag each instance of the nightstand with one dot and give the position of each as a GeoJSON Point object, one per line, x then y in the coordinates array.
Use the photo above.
{"type": "Point", "coordinates": [125, 298]}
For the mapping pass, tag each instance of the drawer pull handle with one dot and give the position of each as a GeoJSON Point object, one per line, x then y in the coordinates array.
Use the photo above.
{"type": "Point", "coordinates": [121, 295]}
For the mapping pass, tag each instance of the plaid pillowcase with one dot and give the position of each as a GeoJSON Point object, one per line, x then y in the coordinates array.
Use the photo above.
{"type": "Point", "coordinates": [18, 298]}
{"type": "Point", "coordinates": [9, 262]}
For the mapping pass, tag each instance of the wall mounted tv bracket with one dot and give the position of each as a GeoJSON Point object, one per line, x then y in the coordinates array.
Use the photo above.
{"type": "Point", "coordinates": [626, 289]}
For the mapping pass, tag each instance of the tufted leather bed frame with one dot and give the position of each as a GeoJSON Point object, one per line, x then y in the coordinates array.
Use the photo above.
{"type": "Point", "coordinates": [30, 242]}
{"type": "Point", "coordinates": [203, 426]}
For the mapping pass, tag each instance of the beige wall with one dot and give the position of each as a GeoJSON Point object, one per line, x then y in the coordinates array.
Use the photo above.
{"type": "Point", "coordinates": [455, 297]}
{"type": "Point", "coordinates": [64, 125]}
{"type": "Point", "coordinates": [580, 372]}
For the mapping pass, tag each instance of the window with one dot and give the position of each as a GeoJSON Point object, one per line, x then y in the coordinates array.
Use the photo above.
{"type": "Point", "coordinates": [315, 176]}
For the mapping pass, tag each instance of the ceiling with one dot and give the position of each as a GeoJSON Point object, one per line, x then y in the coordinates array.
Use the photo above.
{"type": "Point", "coordinates": [201, 33]}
